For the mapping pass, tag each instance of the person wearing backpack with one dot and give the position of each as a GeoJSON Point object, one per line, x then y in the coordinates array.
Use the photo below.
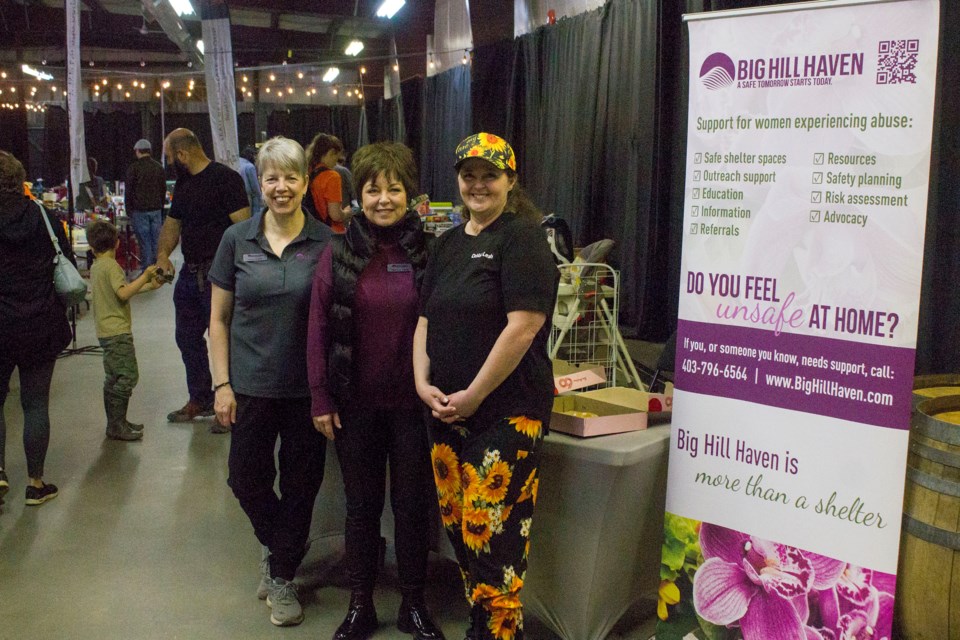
{"type": "Point", "coordinates": [325, 201]}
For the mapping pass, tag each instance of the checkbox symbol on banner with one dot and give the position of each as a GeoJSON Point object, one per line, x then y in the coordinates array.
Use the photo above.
{"type": "Point", "coordinates": [696, 194]}
{"type": "Point", "coordinates": [694, 212]}
{"type": "Point", "coordinates": [697, 158]}
{"type": "Point", "coordinates": [814, 216]}
{"type": "Point", "coordinates": [693, 229]}
{"type": "Point", "coordinates": [815, 197]}
{"type": "Point", "coordinates": [818, 158]}
{"type": "Point", "coordinates": [696, 176]}
{"type": "Point", "coordinates": [818, 177]}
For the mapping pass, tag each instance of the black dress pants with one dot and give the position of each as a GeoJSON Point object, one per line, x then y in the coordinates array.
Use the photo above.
{"type": "Point", "coordinates": [371, 437]}
{"type": "Point", "coordinates": [281, 523]}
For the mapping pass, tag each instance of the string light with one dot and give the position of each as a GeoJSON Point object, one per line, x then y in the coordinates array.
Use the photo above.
{"type": "Point", "coordinates": [3, 74]}
{"type": "Point", "coordinates": [396, 66]}
{"type": "Point", "coordinates": [300, 75]}
{"type": "Point", "coordinates": [363, 70]}
{"type": "Point", "coordinates": [273, 78]}
{"type": "Point", "coordinates": [465, 58]}
{"type": "Point", "coordinates": [245, 81]}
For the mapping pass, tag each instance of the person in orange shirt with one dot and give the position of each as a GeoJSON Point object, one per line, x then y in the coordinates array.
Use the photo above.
{"type": "Point", "coordinates": [325, 186]}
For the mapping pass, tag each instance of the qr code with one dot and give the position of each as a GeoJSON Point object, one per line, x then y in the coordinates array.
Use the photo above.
{"type": "Point", "coordinates": [896, 61]}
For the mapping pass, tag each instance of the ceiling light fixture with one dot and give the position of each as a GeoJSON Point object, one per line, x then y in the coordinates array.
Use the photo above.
{"type": "Point", "coordinates": [331, 74]}
{"type": "Point", "coordinates": [389, 8]}
{"type": "Point", "coordinates": [182, 7]}
{"type": "Point", "coordinates": [200, 46]}
{"type": "Point", "coordinates": [353, 48]}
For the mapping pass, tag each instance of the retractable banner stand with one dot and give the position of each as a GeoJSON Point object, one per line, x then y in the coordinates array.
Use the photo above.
{"type": "Point", "coordinates": [806, 194]}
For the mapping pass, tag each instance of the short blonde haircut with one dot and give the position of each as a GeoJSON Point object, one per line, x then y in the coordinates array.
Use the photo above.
{"type": "Point", "coordinates": [283, 154]}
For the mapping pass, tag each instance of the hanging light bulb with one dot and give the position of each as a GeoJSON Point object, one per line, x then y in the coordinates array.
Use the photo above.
{"type": "Point", "coordinates": [465, 58]}
{"type": "Point", "coordinates": [245, 81]}
{"type": "Point", "coordinates": [363, 70]}
{"type": "Point", "coordinates": [300, 75]}
{"type": "Point", "coordinates": [273, 78]}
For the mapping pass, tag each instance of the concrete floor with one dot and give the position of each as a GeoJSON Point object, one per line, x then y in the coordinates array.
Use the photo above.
{"type": "Point", "coordinates": [146, 540]}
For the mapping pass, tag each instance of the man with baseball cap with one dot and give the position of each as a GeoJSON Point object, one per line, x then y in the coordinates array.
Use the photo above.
{"type": "Point", "coordinates": [144, 196]}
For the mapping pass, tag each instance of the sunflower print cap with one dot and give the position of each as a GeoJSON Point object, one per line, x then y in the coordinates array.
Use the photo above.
{"type": "Point", "coordinates": [488, 146]}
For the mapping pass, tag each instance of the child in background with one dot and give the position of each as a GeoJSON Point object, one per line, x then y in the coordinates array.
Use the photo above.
{"type": "Point", "coordinates": [111, 310]}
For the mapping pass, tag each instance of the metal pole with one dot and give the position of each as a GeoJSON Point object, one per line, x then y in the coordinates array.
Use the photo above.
{"type": "Point", "coordinates": [163, 127]}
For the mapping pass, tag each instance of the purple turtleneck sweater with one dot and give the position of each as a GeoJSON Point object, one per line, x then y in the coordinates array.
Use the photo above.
{"type": "Point", "coordinates": [384, 317]}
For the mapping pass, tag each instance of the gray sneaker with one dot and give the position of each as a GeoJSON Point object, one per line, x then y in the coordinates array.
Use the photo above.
{"type": "Point", "coordinates": [285, 602]}
{"type": "Point", "coordinates": [264, 589]}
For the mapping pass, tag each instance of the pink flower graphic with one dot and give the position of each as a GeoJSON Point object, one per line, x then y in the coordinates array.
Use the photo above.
{"type": "Point", "coordinates": [755, 583]}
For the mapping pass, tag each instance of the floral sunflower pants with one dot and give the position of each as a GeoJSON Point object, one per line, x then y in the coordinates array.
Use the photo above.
{"type": "Point", "coordinates": [486, 476]}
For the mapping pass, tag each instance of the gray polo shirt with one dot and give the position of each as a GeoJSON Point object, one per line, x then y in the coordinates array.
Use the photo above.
{"type": "Point", "coordinates": [271, 304]}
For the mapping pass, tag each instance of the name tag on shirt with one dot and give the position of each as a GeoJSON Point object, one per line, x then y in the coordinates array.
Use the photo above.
{"type": "Point", "coordinates": [402, 267]}
{"type": "Point", "coordinates": [254, 257]}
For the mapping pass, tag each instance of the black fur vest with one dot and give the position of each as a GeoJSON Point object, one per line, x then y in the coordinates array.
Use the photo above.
{"type": "Point", "coordinates": [351, 254]}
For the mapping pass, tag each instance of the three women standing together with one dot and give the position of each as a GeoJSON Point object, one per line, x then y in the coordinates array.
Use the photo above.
{"type": "Point", "coordinates": [385, 328]}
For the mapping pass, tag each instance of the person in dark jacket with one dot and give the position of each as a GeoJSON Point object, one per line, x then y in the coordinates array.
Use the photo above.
{"type": "Point", "coordinates": [33, 321]}
{"type": "Point", "coordinates": [144, 196]}
{"type": "Point", "coordinates": [363, 312]}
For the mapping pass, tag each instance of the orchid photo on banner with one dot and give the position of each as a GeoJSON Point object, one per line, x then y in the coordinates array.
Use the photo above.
{"type": "Point", "coordinates": [721, 584]}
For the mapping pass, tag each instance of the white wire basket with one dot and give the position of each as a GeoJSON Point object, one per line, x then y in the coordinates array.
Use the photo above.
{"type": "Point", "coordinates": [584, 329]}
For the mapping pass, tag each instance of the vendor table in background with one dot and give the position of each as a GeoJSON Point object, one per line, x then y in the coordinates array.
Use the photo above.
{"type": "Point", "coordinates": [597, 530]}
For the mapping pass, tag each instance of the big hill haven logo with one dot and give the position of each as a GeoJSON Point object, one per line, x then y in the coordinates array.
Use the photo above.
{"type": "Point", "coordinates": [719, 71]}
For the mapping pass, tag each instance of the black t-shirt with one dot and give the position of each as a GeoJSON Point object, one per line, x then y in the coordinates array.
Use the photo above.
{"type": "Point", "coordinates": [203, 204]}
{"type": "Point", "coordinates": [470, 285]}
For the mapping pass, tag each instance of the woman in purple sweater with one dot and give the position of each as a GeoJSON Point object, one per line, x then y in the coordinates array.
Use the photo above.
{"type": "Point", "coordinates": [363, 313]}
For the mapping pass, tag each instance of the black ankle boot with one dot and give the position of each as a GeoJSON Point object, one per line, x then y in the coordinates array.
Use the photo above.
{"type": "Point", "coordinates": [361, 620]}
{"type": "Point", "coordinates": [414, 618]}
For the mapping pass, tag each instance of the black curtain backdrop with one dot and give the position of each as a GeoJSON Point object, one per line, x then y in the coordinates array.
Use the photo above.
{"type": "Point", "coordinates": [13, 134]}
{"type": "Point", "coordinates": [302, 124]}
{"type": "Point", "coordinates": [938, 342]}
{"type": "Point", "coordinates": [446, 121]}
{"type": "Point", "coordinates": [56, 146]}
{"type": "Point", "coordinates": [110, 137]}
{"type": "Point", "coordinates": [582, 116]}
{"type": "Point", "coordinates": [490, 76]}
{"type": "Point", "coordinates": [412, 92]}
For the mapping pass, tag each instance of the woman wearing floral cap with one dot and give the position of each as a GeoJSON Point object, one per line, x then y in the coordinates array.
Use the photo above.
{"type": "Point", "coordinates": [481, 367]}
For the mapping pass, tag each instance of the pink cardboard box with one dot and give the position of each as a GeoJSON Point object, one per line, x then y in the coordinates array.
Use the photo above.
{"type": "Point", "coordinates": [569, 377]}
{"type": "Point", "coordinates": [617, 410]}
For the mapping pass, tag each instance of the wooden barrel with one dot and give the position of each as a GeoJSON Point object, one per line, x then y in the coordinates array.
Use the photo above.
{"type": "Point", "coordinates": [928, 582]}
{"type": "Point", "coordinates": [935, 386]}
